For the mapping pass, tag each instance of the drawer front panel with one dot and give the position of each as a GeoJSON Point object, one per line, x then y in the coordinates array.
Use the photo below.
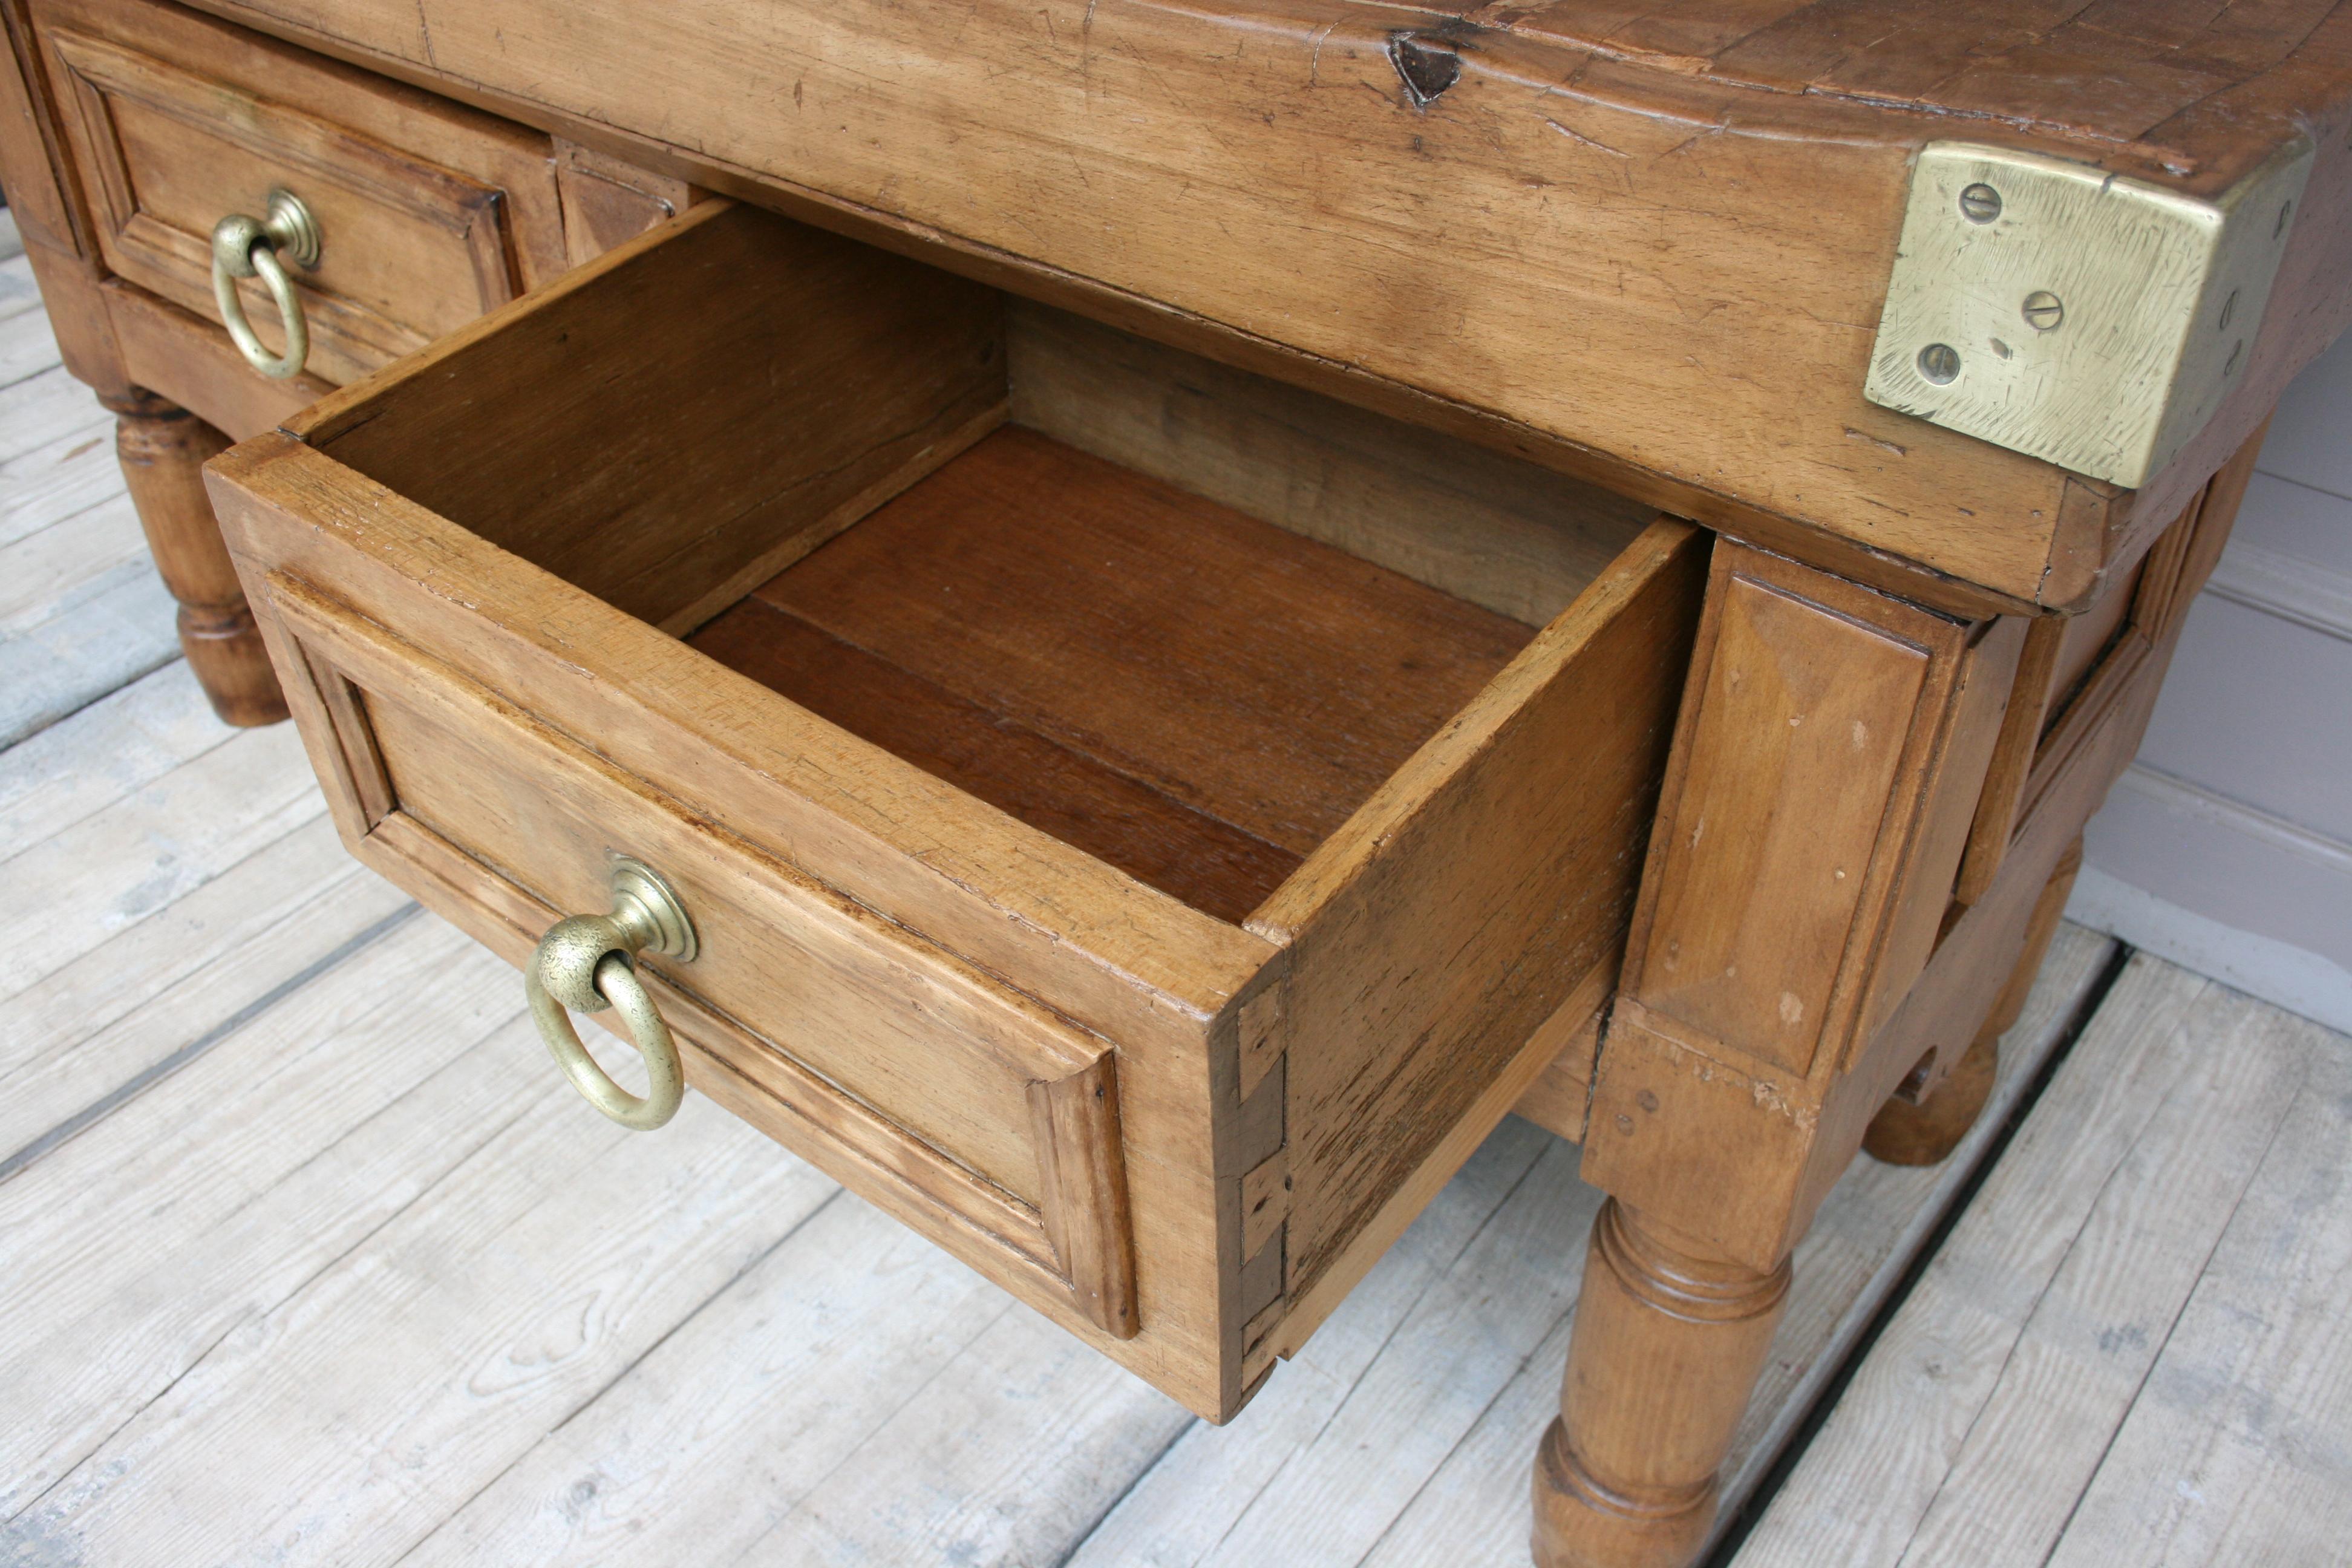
{"type": "Point", "coordinates": [429, 213]}
{"type": "Point", "coordinates": [981, 1105]}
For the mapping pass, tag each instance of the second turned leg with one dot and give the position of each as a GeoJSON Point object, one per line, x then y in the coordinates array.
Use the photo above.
{"type": "Point", "coordinates": [164, 449]}
{"type": "Point", "coordinates": [1667, 1345]}
{"type": "Point", "coordinates": [1905, 1133]}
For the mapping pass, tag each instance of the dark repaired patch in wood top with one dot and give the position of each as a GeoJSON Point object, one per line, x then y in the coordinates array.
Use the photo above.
{"type": "Point", "coordinates": [1427, 66]}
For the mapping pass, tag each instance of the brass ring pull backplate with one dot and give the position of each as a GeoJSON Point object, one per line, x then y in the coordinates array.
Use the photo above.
{"type": "Point", "coordinates": [586, 964]}
{"type": "Point", "coordinates": [258, 248]}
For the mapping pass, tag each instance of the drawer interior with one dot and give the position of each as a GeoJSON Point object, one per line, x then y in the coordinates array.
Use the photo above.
{"type": "Point", "coordinates": [1181, 617]}
{"type": "Point", "coordinates": [1192, 694]}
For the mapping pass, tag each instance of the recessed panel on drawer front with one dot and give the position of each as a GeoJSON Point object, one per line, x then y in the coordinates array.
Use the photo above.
{"type": "Point", "coordinates": [429, 213]}
{"type": "Point", "coordinates": [846, 1037]}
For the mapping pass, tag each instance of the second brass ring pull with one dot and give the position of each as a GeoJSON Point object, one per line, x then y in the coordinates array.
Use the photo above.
{"type": "Point", "coordinates": [252, 247]}
{"type": "Point", "coordinates": [586, 964]}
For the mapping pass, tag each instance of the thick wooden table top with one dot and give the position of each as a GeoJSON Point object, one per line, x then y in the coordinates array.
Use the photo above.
{"type": "Point", "coordinates": [1645, 243]}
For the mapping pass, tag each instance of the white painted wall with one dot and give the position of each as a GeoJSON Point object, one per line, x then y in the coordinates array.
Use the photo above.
{"type": "Point", "coordinates": [2228, 846]}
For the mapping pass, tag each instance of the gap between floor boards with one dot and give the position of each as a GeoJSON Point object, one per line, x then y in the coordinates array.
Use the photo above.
{"type": "Point", "coordinates": [1752, 1508]}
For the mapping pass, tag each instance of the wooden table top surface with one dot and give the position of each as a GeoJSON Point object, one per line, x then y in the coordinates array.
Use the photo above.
{"type": "Point", "coordinates": [1644, 244]}
{"type": "Point", "coordinates": [2190, 91]}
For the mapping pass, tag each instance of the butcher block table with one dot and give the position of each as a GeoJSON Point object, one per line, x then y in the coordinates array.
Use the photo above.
{"type": "Point", "coordinates": [1124, 623]}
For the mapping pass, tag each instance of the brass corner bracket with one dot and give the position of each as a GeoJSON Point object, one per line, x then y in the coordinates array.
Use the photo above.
{"type": "Point", "coordinates": [2077, 316]}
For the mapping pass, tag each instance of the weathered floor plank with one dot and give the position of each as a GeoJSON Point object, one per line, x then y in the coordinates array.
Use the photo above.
{"type": "Point", "coordinates": [148, 999]}
{"type": "Point", "coordinates": [1381, 1418]}
{"type": "Point", "coordinates": [2236, 1449]}
{"type": "Point", "coordinates": [81, 610]}
{"type": "Point", "coordinates": [1993, 1400]}
{"type": "Point", "coordinates": [160, 983]}
{"type": "Point", "coordinates": [119, 865]}
{"type": "Point", "coordinates": [59, 478]}
{"type": "Point", "coordinates": [549, 1251]}
{"type": "Point", "coordinates": [198, 1208]}
{"type": "Point", "coordinates": [111, 748]}
{"type": "Point", "coordinates": [1186, 1505]}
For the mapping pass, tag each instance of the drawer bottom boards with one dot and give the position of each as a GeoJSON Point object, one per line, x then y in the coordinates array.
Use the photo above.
{"type": "Point", "coordinates": [1189, 694]}
{"type": "Point", "coordinates": [1133, 812]}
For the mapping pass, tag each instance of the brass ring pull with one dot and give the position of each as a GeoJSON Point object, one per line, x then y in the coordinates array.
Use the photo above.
{"type": "Point", "coordinates": [251, 247]}
{"type": "Point", "coordinates": [586, 964]}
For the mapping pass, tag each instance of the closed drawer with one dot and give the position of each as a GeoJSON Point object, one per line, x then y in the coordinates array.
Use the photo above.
{"type": "Point", "coordinates": [1133, 811]}
{"type": "Point", "coordinates": [428, 212]}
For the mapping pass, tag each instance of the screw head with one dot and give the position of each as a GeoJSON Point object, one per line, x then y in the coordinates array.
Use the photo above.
{"type": "Point", "coordinates": [1980, 204]}
{"type": "Point", "coordinates": [2042, 310]}
{"type": "Point", "coordinates": [1939, 363]}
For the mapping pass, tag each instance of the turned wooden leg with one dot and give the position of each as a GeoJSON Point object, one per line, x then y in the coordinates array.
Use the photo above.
{"type": "Point", "coordinates": [1667, 1345]}
{"type": "Point", "coordinates": [1831, 749]}
{"type": "Point", "coordinates": [162, 448]}
{"type": "Point", "coordinates": [1922, 1132]}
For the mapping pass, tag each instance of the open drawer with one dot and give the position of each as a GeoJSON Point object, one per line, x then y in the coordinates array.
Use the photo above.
{"type": "Point", "coordinates": [1132, 811]}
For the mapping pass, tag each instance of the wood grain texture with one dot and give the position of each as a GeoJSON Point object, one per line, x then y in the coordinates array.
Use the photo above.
{"type": "Point", "coordinates": [1115, 140]}
{"type": "Point", "coordinates": [303, 1164]}
{"type": "Point", "coordinates": [29, 161]}
{"type": "Point", "coordinates": [2262, 1330]}
{"type": "Point", "coordinates": [1555, 755]}
{"type": "Point", "coordinates": [257, 1330]}
{"type": "Point", "coordinates": [2012, 757]}
{"type": "Point", "coordinates": [1810, 749]}
{"type": "Point", "coordinates": [144, 958]}
{"type": "Point", "coordinates": [2156, 67]}
{"type": "Point", "coordinates": [1245, 672]}
{"type": "Point", "coordinates": [1668, 1343]}
{"type": "Point", "coordinates": [1470, 1509]}
{"type": "Point", "coordinates": [837, 376]}
{"type": "Point", "coordinates": [1082, 1180]}
{"type": "Point", "coordinates": [899, 841]}
{"type": "Point", "coordinates": [1837, 697]}
{"type": "Point", "coordinates": [162, 450]}
{"type": "Point", "coordinates": [1398, 1435]}
{"type": "Point", "coordinates": [83, 1375]}
{"type": "Point", "coordinates": [1559, 1097]}
{"type": "Point", "coordinates": [190, 361]}
{"type": "Point", "coordinates": [1828, 762]}
{"type": "Point", "coordinates": [1497, 531]}
{"type": "Point", "coordinates": [1931, 1114]}
{"type": "Point", "coordinates": [607, 200]}
{"type": "Point", "coordinates": [1190, 854]}
{"type": "Point", "coordinates": [113, 620]}
{"type": "Point", "coordinates": [2083, 751]}
{"type": "Point", "coordinates": [1569, 1034]}
{"type": "Point", "coordinates": [860, 801]}
{"type": "Point", "coordinates": [1472, 893]}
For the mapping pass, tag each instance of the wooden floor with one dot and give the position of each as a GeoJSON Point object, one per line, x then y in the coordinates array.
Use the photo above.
{"type": "Point", "coordinates": [307, 1256]}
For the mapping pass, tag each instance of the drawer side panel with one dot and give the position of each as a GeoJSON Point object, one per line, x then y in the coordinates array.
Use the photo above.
{"type": "Point", "coordinates": [1459, 909]}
